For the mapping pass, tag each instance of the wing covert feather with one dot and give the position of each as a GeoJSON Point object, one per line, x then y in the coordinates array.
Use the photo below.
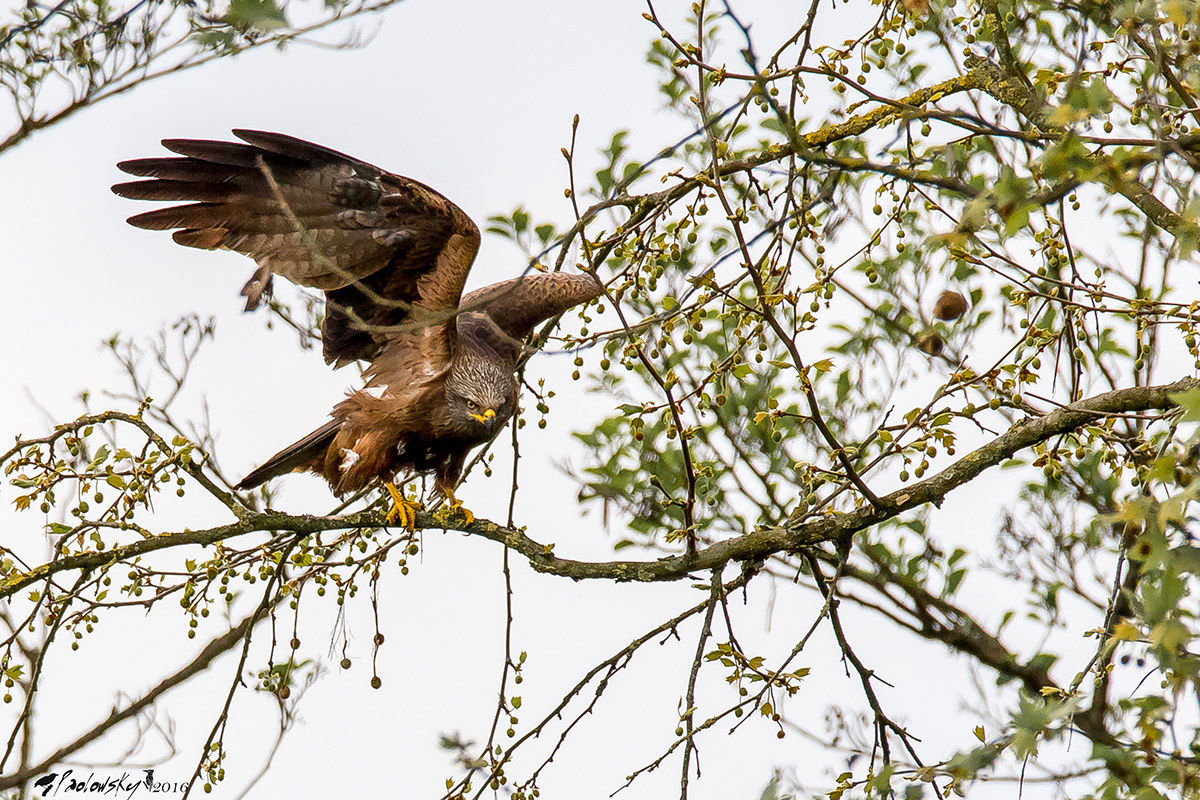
{"type": "Point", "coordinates": [520, 304]}
{"type": "Point", "coordinates": [376, 243]}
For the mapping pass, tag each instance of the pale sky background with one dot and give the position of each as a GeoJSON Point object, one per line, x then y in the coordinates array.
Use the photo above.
{"type": "Point", "coordinates": [475, 99]}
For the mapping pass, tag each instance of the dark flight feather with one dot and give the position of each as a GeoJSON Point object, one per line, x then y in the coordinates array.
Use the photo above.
{"type": "Point", "coordinates": [320, 218]}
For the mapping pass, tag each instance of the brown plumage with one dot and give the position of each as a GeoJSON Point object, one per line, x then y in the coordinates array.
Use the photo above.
{"type": "Point", "coordinates": [391, 256]}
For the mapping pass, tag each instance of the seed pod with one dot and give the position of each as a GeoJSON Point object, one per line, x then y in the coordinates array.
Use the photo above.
{"type": "Point", "coordinates": [931, 343]}
{"type": "Point", "coordinates": [950, 306]}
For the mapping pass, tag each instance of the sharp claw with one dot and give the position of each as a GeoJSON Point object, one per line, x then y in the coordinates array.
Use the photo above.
{"type": "Point", "coordinates": [456, 507]}
{"type": "Point", "coordinates": [403, 510]}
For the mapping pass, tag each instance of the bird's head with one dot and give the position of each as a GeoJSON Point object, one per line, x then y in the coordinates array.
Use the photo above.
{"type": "Point", "coordinates": [481, 397]}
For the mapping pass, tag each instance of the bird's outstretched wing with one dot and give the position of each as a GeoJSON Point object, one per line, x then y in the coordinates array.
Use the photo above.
{"type": "Point", "coordinates": [385, 249]}
{"type": "Point", "coordinates": [518, 305]}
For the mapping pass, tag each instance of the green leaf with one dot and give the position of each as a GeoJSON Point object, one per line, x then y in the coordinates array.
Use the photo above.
{"type": "Point", "coordinates": [263, 15]}
{"type": "Point", "coordinates": [101, 457]}
{"type": "Point", "coordinates": [954, 580]}
{"type": "Point", "coordinates": [1170, 634]}
{"type": "Point", "coordinates": [1174, 508]}
{"type": "Point", "coordinates": [1189, 401]}
{"type": "Point", "coordinates": [1163, 469]}
{"type": "Point", "coordinates": [1017, 219]}
{"type": "Point", "coordinates": [1161, 596]}
{"type": "Point", "coordinates": [1187, 558]}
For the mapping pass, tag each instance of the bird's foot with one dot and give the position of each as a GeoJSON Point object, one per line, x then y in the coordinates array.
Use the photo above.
{"type": "Point", "coordinates": [403, 510]}
{"type": "Point", "coordinates": [455, 510]}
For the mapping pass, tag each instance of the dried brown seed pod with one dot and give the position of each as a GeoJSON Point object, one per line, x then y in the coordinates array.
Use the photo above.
{"type": "Point", "coordinates": [931, 343]}
{"type": "Point", "coordinates": [950, 306]}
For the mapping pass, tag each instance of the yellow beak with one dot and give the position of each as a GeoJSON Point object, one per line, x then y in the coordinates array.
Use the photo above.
{"type": "Point", "coordinates": [488, 418]}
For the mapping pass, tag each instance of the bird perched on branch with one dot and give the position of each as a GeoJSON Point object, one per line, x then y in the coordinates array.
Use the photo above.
{"type": "Point", "coordinates": [392, 256]}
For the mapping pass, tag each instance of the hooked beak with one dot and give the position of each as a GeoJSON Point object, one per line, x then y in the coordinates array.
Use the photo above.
{"type": "Point", "coordinates": [488, 418]}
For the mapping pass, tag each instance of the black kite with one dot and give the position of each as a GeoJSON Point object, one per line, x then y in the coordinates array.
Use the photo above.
{"type": "Point", "coordinates": [391, 256]}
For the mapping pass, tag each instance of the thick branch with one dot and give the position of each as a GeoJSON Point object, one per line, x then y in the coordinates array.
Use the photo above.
{"type": "Point", "coordinates": [758, 544]}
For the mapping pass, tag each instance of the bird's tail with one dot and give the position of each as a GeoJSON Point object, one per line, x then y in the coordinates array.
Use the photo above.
{"type": "Point", "coordinates": [294, 457]}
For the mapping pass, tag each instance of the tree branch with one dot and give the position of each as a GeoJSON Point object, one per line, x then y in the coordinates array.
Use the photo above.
{"type": "Point", "coordinates": [214, 649]}
{"type": "Point", "coordinates": [757, 544]}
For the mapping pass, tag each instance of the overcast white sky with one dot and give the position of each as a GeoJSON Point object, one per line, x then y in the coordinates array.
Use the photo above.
{"type": "Point", "coordinates": [475, 99]}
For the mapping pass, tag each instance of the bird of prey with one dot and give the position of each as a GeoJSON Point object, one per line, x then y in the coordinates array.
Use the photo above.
{"type": "Point", "coordinates": [391, 256]}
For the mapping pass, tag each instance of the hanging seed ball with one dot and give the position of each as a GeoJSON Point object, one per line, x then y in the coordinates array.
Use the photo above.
{"type": "Point", "coordinates": [376, 682]}
{"type": "Point", "coordinates": [931, 343]}
{"type": "Point", "coordinates": [345, 663]}
{"type": "Point", "coordinates": [950, 306]}
{"type": "Point", "coordinates": [284, 692]}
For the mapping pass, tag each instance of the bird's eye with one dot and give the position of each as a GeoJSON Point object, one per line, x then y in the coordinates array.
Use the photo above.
{"type": "Point", "coordinates": [472, 405]}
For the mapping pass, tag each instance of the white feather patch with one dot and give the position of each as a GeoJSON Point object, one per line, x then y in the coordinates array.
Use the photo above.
{"type": "Point", "coordinates": [375, 391]}
{"type": "Point", "coordinates": [349, 459]}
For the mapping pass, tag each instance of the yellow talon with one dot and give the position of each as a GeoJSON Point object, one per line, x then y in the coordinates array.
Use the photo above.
{"type": "Point", "coordinates": [456, 508]}
{"type": "Point", "coordinates": [403, 510]}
